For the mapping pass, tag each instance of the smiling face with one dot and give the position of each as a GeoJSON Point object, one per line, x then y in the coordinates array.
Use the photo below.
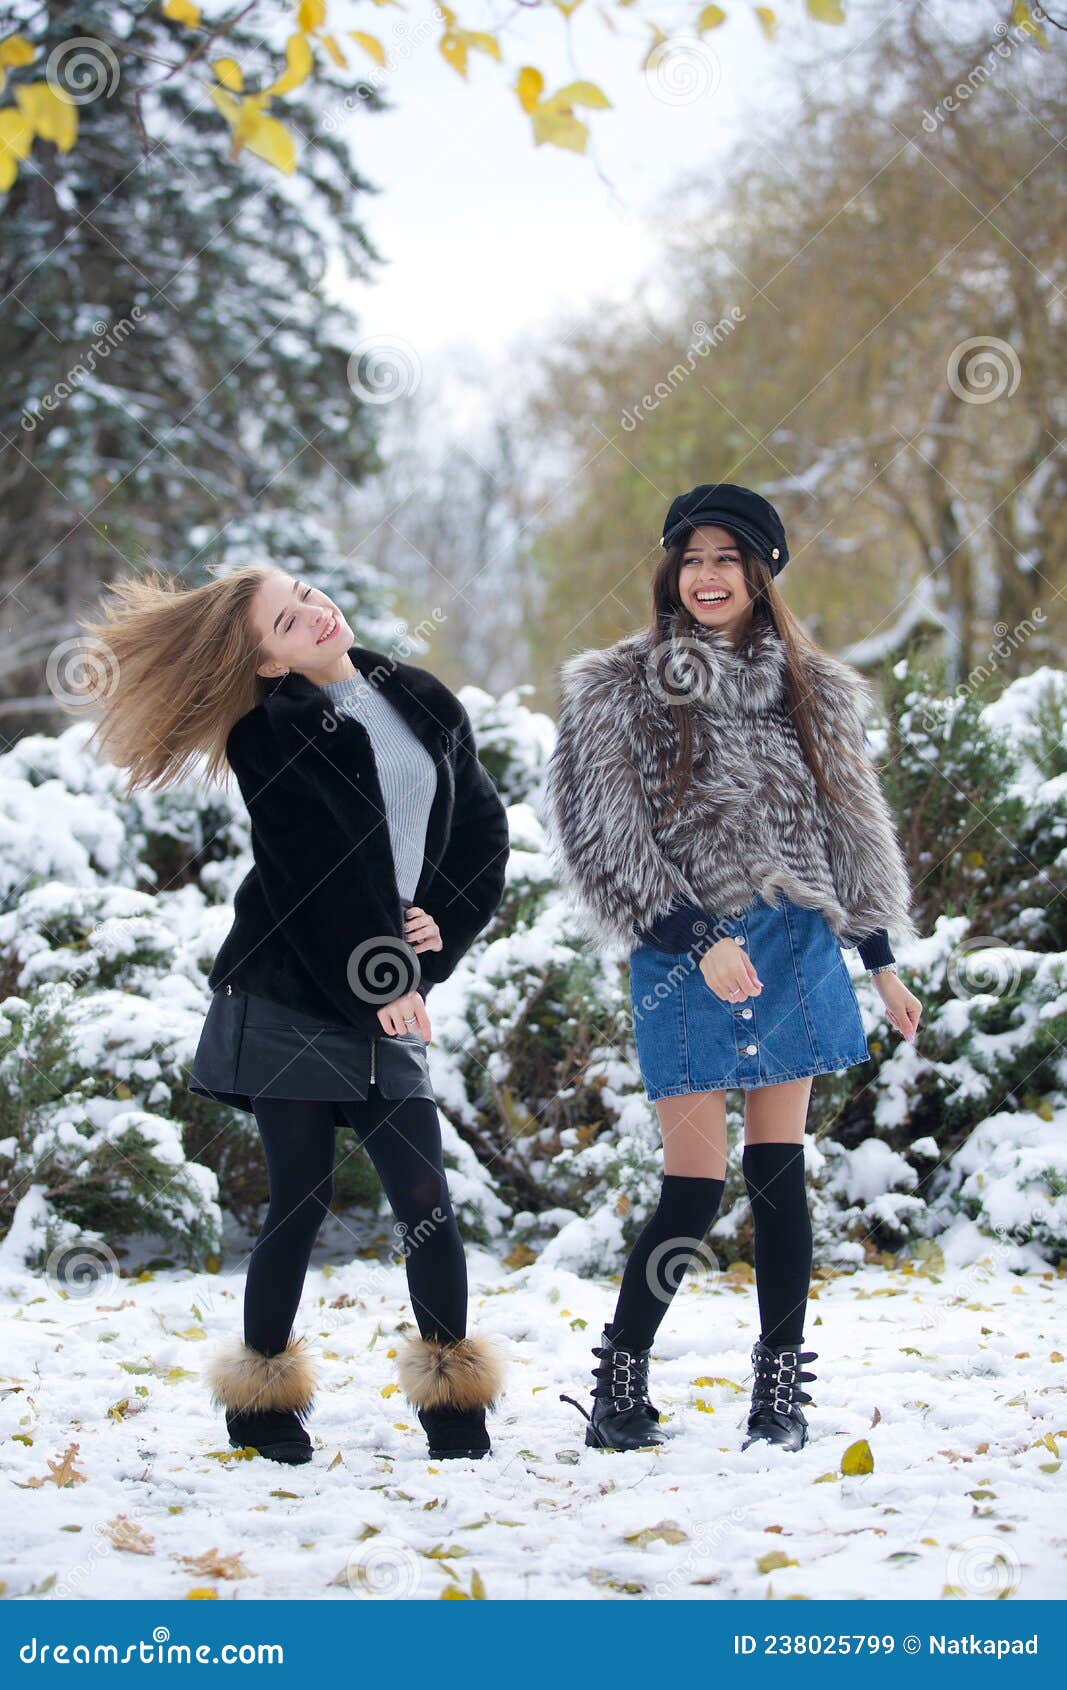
{"type": "Point", "coordinates": [711, 580]}
{"type": "Point", "coordinates": [300, 628]}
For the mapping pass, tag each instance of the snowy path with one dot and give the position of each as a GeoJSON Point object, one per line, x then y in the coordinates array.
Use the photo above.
{"type": "Point", "coordinates": [963, 1377]}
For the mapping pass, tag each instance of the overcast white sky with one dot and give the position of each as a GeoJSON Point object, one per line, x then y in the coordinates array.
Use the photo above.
{"type": "Point", "coordinates": [486, 234]}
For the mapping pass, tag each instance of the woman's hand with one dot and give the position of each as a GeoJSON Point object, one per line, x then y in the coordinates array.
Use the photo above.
{"type": "Point", "coordinates": [729, 972]}
{"type": "Point", "coordinates": [902, 1006]}
{"type": "Point", "coordinates": [394, 1016]}
{"type": "Point", "coordinates": [421, 930]}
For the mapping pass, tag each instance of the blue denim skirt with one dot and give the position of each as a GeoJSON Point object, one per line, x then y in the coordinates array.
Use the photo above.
{"type": "Point", "coordinates": [805, 1021]}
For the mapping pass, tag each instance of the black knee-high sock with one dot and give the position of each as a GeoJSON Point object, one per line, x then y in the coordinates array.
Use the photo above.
{"type": "Point", "coordinates": [664, 1250]}
{"type": "Point", "coordinates": [774, 1176]}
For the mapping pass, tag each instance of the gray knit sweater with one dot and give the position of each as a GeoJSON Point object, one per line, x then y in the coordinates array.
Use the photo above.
{"type": "Point", "coordinates": [406, 773]}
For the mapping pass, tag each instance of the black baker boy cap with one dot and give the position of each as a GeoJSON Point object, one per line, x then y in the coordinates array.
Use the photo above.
{"type": "Point", "coordinates": [750, 516]}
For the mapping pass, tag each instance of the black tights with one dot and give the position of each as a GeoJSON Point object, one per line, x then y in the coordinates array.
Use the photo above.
{"type": "Point", "coordinates": [403, 1140]}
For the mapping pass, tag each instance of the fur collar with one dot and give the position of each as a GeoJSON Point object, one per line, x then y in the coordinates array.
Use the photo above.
{"type": "Point", "coordinates": [753, 821]}
{"type": "Point", "coordinates": [431, 710]}
{"type": "Point", "coordinates": [702, 665]}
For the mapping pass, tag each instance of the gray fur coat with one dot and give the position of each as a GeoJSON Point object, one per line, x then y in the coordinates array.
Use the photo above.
{"type": "Point", "coordinates": [753, 823]}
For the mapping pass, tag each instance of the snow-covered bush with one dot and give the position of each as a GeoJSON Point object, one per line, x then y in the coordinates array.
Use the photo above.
{"type": "Point", "coordinates": [112, 910]}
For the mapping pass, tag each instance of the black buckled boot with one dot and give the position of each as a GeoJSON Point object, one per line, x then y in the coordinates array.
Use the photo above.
{"type": "Point", "coordinates": [775, 1416]}
{"type": "Point", "coordinates": [622, 1417]}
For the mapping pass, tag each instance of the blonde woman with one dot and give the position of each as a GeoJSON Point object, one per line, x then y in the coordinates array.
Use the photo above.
{"type": "Point", "coordinates": [379, 846]}
{"type": "Point", "coordinates": [712, 808]}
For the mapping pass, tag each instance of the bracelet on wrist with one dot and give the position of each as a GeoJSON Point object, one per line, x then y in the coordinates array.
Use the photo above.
{"type": "Point", "coordinates": [883, 968]}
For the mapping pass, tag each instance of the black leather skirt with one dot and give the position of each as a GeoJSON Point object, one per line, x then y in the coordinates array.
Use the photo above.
{"type": "Point", "coordinates": [251, 1047]}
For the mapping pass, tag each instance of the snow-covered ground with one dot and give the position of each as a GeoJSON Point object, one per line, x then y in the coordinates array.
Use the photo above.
{"type": "Point", "coordinates": [958, 1384]}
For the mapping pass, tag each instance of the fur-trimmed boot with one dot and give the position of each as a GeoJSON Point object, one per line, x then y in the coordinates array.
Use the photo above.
{"type": "Point", "coordinates": [623, 1416]}
{"type": "Point", "coordinates": [775, 1416]}
{"type": "Point", "coordinates": [265, 1397]}
{"type": "Point", "coordinates": [450, 1384]}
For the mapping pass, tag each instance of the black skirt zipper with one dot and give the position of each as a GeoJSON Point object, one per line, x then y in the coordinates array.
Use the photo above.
{"type": "Point", "coordinates": [372, 1044]}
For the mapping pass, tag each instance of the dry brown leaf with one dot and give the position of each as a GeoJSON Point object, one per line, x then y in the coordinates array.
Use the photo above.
{"type": "Point", "coordinates": [128, 1535]}
{"type": "Point", "coordinates": [61, 1472]}
{"type": "Point", "coordinates": [212, 1565]}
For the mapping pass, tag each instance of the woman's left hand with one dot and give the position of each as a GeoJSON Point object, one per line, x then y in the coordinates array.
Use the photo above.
{"type": "Point", "coordinates": [902, 1006]}
{"type": "Point", "coordinates": [421, 930]}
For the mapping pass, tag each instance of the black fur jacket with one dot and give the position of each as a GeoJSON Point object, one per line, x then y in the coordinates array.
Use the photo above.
{"type": "Point", "coordinates": [753, 822]}
{"type": "Point", "coordinates": [318, 920]}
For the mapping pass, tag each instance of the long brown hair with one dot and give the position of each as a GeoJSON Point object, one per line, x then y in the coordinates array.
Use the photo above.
{"type": "Point", "coordinates": [169, 669]}
{"type": "Point", "coordinates": [768, 607]}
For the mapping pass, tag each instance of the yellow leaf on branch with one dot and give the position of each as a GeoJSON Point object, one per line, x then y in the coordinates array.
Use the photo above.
{"type": "Point", "coordinates": [298, 63]}
{"type": "Point", "coordinates": [311, 15]}
{"type": "Point", "coordinates": [561, 130]}
{"type": "Point", "coordinates": [330, 44]}
{"type": "Point", "coordinates": [528, 86]}
{"type": "Point", "coordinates": [52, 115]}
{"type": "Point", "coordinates": [262, 135]}
{"type": "Point", "coordinates": [767, 21]}
{"type": "Point", "coordinates": [16, 137]}
{"type": "Point", "coordinates": [182, 11]}
{"type": "Point", "coordinates": [15, 50]}
{"type": "Point", "coordinates": [827, 11]}
{"type": "Point", "coordinates": [229, 74]}
{"type": "Point", "coordinates": [370, 44]}
{"type": "Point", "coordinates": [580, 94]}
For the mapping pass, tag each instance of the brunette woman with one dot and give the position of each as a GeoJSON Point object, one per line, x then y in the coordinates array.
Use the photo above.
{"type": "Point", "coordinates": [712, 809]}
{"type": "Point", "coordinates": [379, 846]}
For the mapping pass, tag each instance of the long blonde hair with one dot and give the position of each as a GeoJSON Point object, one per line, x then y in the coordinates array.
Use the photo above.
{"type": "Point", "coordinates": [168, 670]}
